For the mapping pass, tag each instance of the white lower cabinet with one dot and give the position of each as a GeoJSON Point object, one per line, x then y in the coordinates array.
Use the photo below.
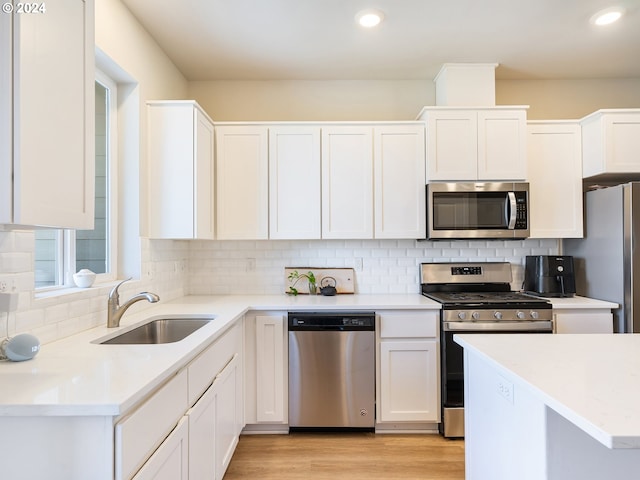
{"type": "Point", "coordinates": [214, 425]}
{"type": "Point", "coordinates": [582, 321]}
{"type": "Point", "coordinates": [408, 378]}
{"type": "Point", "coordinates": [165, 439]}
{"type": "Point", "coordinates": [171, 460]}
{"type": "Point", "coordinates": [202, 436]}
{"type": "Point", "coordinates": [139, 433]}
{"type": "Point", "coordinates": [266, 349]}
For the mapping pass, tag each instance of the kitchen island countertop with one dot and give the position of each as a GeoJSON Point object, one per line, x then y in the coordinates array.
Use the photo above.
{"type": "Point", "coordinates": [591, 380]}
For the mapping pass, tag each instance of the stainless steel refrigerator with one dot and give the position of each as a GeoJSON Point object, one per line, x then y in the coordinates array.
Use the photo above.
{"type": "Point", "coordinates": [607, 260]}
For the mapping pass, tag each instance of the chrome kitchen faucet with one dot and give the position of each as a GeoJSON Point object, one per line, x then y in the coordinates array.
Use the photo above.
{"type": "Point", "coordinates": [115, 311]}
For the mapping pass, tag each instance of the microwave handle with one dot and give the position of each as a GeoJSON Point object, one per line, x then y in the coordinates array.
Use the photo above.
{"type": "Point", "coordinates": [511, 210]}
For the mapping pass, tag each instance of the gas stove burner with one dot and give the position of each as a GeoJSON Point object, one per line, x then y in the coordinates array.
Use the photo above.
{"type": "Point", "coordinates": [482, 298]}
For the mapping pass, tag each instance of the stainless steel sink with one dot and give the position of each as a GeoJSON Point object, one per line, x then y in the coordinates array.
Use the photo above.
{"type": "Point", "coordinates": [159, 330]}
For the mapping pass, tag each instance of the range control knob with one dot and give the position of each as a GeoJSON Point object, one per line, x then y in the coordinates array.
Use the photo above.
{"type": "Point", "coordinates": [498, 315]}
{"type": "Point", "coordinates": [521, 315]}
{"type": "Point", "coordinates": [462, 315]}
{"type": "Point", "coordinates": [534, 315]}
{"type": "Point", "coordinates": [475, 315]}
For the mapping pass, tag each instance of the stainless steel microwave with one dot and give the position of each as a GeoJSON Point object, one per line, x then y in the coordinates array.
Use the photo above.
{"type": "Point", "coordinates": [477, 210]}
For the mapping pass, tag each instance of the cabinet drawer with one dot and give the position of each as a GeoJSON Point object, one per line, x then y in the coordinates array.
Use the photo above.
{"type": "Point", "coordinates": [141, 432]}
{"type": "Point", "coordinates": [209, 363]}
{"type": "Point", "coordinates": [171, 459]}
{"type": "Point", "coordinates": [409, 324]}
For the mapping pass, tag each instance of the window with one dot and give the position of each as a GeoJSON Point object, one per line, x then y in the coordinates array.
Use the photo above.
{"type": "Point", "coordinates": [61, 253]}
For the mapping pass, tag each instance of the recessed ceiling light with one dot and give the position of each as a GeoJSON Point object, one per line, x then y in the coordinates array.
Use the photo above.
{"type": "Point", "coordinates": [369, 18]}
{"type": "Point", "coordinates": [607, 16]}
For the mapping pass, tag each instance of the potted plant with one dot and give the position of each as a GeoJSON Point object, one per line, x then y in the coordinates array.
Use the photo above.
{"type": "Point", "coordinates": [295, 278]}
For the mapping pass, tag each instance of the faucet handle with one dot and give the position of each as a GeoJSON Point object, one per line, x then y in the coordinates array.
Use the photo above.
{"type": "Point", "coordinates": [114, 290]}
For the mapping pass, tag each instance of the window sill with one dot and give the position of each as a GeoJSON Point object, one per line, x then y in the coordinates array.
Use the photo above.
{"type": "Point", "coordinates": [64, 293]}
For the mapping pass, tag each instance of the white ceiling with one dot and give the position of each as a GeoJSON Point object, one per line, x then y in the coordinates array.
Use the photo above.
{"type": "Point", "coordinates": [318, 39]}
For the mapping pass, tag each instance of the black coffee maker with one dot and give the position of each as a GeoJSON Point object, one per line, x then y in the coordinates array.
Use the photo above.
{"type": "Point", "coordinates": [549, 275]}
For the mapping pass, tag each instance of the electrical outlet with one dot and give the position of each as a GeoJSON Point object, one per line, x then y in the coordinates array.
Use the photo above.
{"type": "Point", "coordinates": [358, 263]}
{"type": "Point", "coordinates": [505, 388]}
{"type": "Point", "coordinates": [3, 286]}
{"type": "Point", "coordinates": [250, 265]}
{"type": "Point", "coordinates": [8, 302]}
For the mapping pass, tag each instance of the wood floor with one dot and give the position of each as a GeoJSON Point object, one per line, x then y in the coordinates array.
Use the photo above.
{"type": "Point", "coordinates": [348, 456]}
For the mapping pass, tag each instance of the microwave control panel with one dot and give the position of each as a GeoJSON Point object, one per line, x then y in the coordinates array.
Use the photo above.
{"type": "Point", "coordinates": [521, 210]}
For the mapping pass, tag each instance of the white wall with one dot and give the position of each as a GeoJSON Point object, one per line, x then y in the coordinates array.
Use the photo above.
{"type": "Point", "coordinates": [568, 99]}
{"type": "Point", "coordinates": [313, 100]}
{"type": "Point", "coordinates": [399, 100]}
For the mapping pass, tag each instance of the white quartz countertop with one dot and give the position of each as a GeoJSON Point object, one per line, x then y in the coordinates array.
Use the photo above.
{"type": "Point", "coordinates": [577, 302]}
{"type": "Point", "coordinates": [593, 380]}
{"type": "Point", "coordinates": [74, 376]}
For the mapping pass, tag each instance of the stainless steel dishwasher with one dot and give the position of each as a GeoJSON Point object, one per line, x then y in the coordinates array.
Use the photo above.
{"type": "Point", "coordinates": [331, 370]}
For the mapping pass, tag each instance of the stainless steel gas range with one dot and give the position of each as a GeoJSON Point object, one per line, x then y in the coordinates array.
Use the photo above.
{"type": "Point", "coordinates": [475, 298]}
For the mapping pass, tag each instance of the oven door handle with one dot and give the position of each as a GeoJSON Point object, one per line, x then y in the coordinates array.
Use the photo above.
{"type": "Point", "coordinates": [511, 210]}
{"type": "Point", "coordinates": [533, 326]}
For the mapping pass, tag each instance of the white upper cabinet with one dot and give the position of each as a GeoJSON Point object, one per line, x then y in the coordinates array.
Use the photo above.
{"type": "Point", "coordinates": [399, 166]}
{"type": "Point", "coordinates": [502, 144]}
{"type": "Point", "coordinates": [47, 123]}
{"type": "Point", "coordinates": [347, 182]}
{"type": "Point", "coordinates": [330, 181]}
{"type": "Point", "coordinates": [452, 145]}
{"type": "Point", "coordinates": [555, 179]}
{"type": "Point", "coordinates": [294, 182]}
{"type": "Point", "coordinates": [611, 142]}
{"type": "Point", "coordinates": [475, 144]}
{"type": "Point", "coordinates": [181, 171]}
{"type": "Point", "coordinates": [242, 182]}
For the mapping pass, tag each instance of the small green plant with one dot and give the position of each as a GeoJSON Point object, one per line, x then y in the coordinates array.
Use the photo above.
{"type": "Point", "coordinates": [295, 278]}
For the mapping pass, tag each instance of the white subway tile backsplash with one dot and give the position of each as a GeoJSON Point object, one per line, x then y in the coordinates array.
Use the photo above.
{"type": "Point", "coordinates": [174, 268]}
{"type": "Point", "coordinates": [388, 266]}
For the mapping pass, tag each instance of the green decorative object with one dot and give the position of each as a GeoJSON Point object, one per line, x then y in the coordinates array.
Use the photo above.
{"type": "Point", "coordinates": [295, 278]}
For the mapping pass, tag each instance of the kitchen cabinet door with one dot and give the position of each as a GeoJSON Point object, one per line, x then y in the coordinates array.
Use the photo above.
{"type": "Point", "coordinates": [294, 182]}
{"type": "Point", "coordinates": [47, 155]}
{"type": "Point", "coordinates": [555, 179]}
{"type": "Point", "coordinates": [181, 171]}
{"type": "Point", "coordinates": [213, 424]}
{"type": "Point", "coordinates": [202, 436]}
{"type": "Point", "coordinates": [399, 172]}
{"type": "Point", "coordinates": [228, 406]}
{"type": "Point", "coordinates": [452, 145]}
{"type": "Point", "coordinates": [347, 182]}
{"type": "Point", "coordinates": [171, 460]}
{"type": "Point", "coordinates": [610, 142]}
{"type": "Point", "coordinates": [409, 381]}
{"type": "Point", "coordinates": [270, 369]}
{"type": "Point", "coordinates": [139, 433]}
{"type": "Point", "coordinates": [502, 144]}
{"type": "Point", "coordinates": [242, 182]}
{"type": "Point", "coordinates": [583, 321]}
{"type": "Point", "coordinates": [476, 144]}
